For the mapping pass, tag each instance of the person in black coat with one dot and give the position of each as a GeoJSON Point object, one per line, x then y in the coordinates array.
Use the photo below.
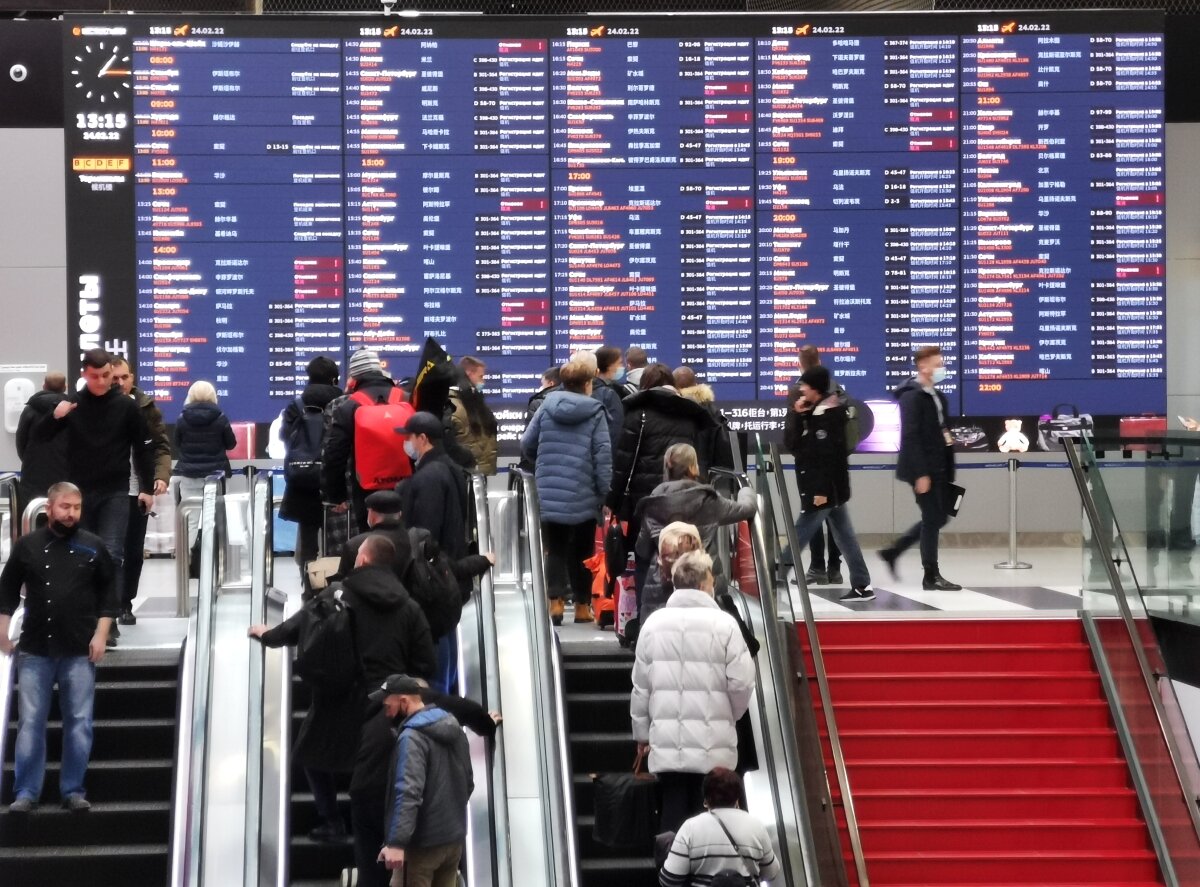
{"type": "Point", "coordinates": [926, 461]}
{"type": "Point", "coordinates": [815, 432]}
{"type": "Point", "coordinates": [391, 634]}
{"type": "Point", "coordinates": [368, 786]}
{"type": "Point", "coordinates": [202, 437]}
{"type": "Point", "coordinates": [304, 506]}
{"type": "Point", "coordinates": [44, 464]}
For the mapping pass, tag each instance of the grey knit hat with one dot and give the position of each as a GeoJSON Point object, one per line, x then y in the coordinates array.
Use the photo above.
{"type": "Point", "coordinates": [363, 362]}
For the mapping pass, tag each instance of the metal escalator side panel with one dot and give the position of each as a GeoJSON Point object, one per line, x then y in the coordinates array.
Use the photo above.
{"type": "Point", "coordinates": [275, 821]}
{"type": "Point", "coordinates": [181, 801]}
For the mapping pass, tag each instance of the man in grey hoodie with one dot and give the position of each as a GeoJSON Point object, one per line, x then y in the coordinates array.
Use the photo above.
{"type": "Point", "coordinates": [428, 789]}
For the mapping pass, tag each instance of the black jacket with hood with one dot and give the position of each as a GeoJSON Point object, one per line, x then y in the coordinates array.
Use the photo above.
{"type": "Point", "coordinates": [391, 629]}
{"type": "Point", "coordinates": [42, 464]}
{"type": "Point", "coordinates": [817, 440]}
{"type": "Point", "coordinates": [101, 433]}
{"type": "Point", "coordinates": [304, 506]}
{"type": "Point", "coordinates": [923, 448]}
{"type": "Point", "coordinates": [338, 482]}
{"type": "Point", "coordinates": [202, 437]}
{"type": "Point", "coordinates": [658, 417]}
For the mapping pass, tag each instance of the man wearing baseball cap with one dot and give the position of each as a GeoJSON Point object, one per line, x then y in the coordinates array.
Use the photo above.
{"type": "Point", "coordinates": [429, 786]}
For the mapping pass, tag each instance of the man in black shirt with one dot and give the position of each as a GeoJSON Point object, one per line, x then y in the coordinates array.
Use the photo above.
{"type": "Point", "coordinates": [70, 601]}
{"type": "Point", "coordinates": [104, 428]}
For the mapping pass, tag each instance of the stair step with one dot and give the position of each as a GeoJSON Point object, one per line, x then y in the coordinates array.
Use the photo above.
{"type": "Point", "coordinates": [981, 715]}
{"type": "Point", "coordinates": [106, 823]}
{"type": "Point", "coordinates": [113, 738]}
{"type": "Point", "coordinates": [602, 752]}
{"type": "Point", "coordinates": [590, 849]}
{"type": "Point", "coordinates": [618, 872]}
{"type": "Point", "coordinates": [967, 688]}
{"type": "Point", "coordinates": [87, 866]}
{"type": "Point", "coordinates": [972, 806]}
{"type": "Point", "coordinates": [993, 868]}
{"type": "Point", "coordinates": [925, 658]}
{"type": "Point", "coordinates": [938, 632]}
{"type": "Point", "coordinates": [997, 836]}
{"type": "Point", "coordinates": [1057, 773]}
{"type": "Point", "coordinates": [314, 861]}
{"type": "Point", "coordinates": [598, 712]}
{"type": "Point", "coordinates": [598, 676]}
{"type": "Point", "coordinates": [941, 745]}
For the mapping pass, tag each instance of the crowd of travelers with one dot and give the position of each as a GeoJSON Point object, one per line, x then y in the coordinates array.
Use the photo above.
{"type": "Point", "coordinates": [378, 479]}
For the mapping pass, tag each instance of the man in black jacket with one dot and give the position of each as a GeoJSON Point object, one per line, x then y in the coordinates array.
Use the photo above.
{"type": "Point", "coordinates": [369, 785]}
{"type": "Point", "coordinates": [429, 785]}
{"type": "Point", "coordinates": [139, 517]}
{"type": "Point", "coordinates": [391, 635]}
{"type": "Point", "coordinates": [435, 498]}
{"type": "Point", "coordinates": [41, 464]}
{"type": "Point", "coordinates": [926, 461]}
{"type": "Point", "coordinates": [104, 429]}
{"type": "Point", "coordinates": [70, 601]}
{"type": "Point", "coordinates": [815, 431]}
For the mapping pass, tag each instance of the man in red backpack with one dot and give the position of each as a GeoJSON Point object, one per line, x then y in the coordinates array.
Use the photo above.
{"type": "Point", "coordinates": [363, 452]}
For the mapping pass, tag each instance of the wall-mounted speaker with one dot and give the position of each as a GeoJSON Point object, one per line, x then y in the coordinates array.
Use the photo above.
{"type": "Point", "coordinates": [31, 85]}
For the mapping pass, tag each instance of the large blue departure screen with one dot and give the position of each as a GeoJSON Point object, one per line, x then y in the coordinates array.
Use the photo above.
{"type": "Point", "coordinates": [722, 190]}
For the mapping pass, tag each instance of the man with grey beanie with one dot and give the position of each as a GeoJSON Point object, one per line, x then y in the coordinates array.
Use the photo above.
{"type": "Point", "coordinates": [368, 384]}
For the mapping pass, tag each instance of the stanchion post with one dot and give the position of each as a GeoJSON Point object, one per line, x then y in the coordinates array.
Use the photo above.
{"type": "Point", "coordinates": [1012, 563]}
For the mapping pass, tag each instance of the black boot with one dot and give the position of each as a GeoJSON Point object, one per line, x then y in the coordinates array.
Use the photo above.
{"type": "Point", "coordinates": [935, 581]}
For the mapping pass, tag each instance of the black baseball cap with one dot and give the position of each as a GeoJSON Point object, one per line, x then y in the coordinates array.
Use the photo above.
{"type": "Point", "coordinates": [397, 685]}
{"type": "Point", "coordinates": [384, 501]}
{"type": "Point", "coordinates": [423, 423]}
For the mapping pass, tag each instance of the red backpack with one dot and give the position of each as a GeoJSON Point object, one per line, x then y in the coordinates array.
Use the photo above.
{"type": "Point", "coordinates": [379, 458]}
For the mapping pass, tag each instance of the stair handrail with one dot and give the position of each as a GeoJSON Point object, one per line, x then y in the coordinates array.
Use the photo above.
{"type": "Point", "coordinates": [29, 516]}
{"type": "Point", "coordinates": [555, 759]}
{"type": "Point", "coordinates": [773, 466]}
{"type": "Point", "coordinates": [1137, 642]}
{"type": "Point", "coordinates": [502, 859]}
{"type": "Point", "coordinates": [211, 529]}
{"type": "Point", "coordinates": [261, 545]}
{"type": "Point", "coordinates": [181, 810]}
{"type": "Point", "coordinates": [783, 775]}
{"type": "Point", "coordinates": [8, 673]}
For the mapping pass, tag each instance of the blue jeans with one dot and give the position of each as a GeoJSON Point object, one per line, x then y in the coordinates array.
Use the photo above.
{"type": "Point", "coordinates": [76, 679]}
{"type": "Point", "coordinates": [807, 525]}
{"type": "Point", "coordinates": [107, 515]}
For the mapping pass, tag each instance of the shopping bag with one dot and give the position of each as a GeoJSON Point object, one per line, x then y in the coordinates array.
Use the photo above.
{"type": "Point", "coordinates": [627, 610]}
{"type": "Point", "coordinates": [626, 807]}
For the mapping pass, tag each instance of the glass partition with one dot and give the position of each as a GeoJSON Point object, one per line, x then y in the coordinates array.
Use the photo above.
{"type": "Point", "coordinates": [1128, 566]}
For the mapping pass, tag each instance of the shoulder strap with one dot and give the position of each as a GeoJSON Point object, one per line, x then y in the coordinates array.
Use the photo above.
{"type": "Point", "coordinates": [637, 451]}
{"type": "Point", "coordinates": [300, 404]}
{"type": "Point", "coordinates": [751, 869]}
{"type": "Point", "coordinates": [362, 398]}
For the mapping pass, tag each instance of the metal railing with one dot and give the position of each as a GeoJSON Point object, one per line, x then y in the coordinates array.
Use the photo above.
{"type": "Point", "coordinates": [1138, 693]}
{"type": "Point", "coordinates": [490, 691]}
{"type": "Point", "coordinates": [562, 855]}
{"type": "Point", "coordinates": [191, 842]}
{"type": "Point", "coordinates": [772, 465]}
{"type": "Point", "coordinates": [261, 562]}
{"type": "Point", "coordinates": [773, 692]}
{"type": "Point", "coordinates": [30, 515]}
{"type": "Point", "coordinates": [184, 510]}
{"type": "Point", "coordinates": [12, 501]}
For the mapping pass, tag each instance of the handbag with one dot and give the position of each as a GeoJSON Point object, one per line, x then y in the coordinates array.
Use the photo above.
{"type": "Point", "coordinates": [953, 498]}
{"type": "Point", "coordinates": [626, 807]}
{"type": "Point", "coordinates": [616, 554]}
{"type": "Point", "coordinates": [751, 868]}
{"type": "Point", "coordinates": [319, 571]}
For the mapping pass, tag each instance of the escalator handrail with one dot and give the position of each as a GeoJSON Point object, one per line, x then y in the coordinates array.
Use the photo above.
{"type": "Point", "coordinates": [181, 810]}
{"type": "Point", "coordinates": [14, 505]}
{"type": "Point", "coordinates": [211, 531]}
{"type": "Point", "coordinates": [554, 757]}
{"type": "Point", "coordinates": [783, 775]}
{"type": "Point", "coordinates": [1136, 640]}
{"type": "Point", "coordinates": [822, 676]}
{"type": "Point", "coordinates": [261, 523]}
{"type": "Point", "coordinates": [491, 691]}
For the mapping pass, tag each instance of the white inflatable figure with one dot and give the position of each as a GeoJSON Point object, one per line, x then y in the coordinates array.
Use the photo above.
{"type": "Point", "coordinates": [276, 449]}
{"type": "Point", "coordinates": [1012, 440]}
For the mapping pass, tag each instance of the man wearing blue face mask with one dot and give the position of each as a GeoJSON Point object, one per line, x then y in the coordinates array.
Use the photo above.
{"type": "Point", "coordinates": [926, 461]}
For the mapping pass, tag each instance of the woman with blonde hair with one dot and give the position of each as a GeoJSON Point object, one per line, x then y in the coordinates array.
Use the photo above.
{"type": "Point", "coordinates": [202, 436]}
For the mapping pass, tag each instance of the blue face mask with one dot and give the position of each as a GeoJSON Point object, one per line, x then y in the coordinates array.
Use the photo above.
{"type": "Point", "coordinates": [939, 375]}
{"type": "Point", "coordinates": [620, 376]}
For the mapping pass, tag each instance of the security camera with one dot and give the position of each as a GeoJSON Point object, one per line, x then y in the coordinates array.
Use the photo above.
{"type": "Point", "coordinates": [18, 73]}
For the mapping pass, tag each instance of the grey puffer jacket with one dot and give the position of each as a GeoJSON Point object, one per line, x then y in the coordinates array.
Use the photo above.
{"type": "Point", "coordinates": [694, 503]}
{"type": "Point", "coordinates": [430, 782]}
{"type": "Point", "coordinates": [568, 442]}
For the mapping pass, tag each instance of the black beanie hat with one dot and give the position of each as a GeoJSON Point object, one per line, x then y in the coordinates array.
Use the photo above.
{"type": "Point", "coordinates": [816, 378]}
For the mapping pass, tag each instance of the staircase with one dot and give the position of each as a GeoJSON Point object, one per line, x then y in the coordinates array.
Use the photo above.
{"type": "Point", "coordinates": [981, 752]}
{"type": "Point", "coordinates": [125, 837]}
{"type": "Point", "coordinates": [313, 863]}
{"type": "Point", "coordinates": [597, 686]}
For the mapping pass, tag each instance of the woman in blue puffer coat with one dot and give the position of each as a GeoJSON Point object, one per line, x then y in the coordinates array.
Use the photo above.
{"type": "Point", "coordinates": [202, 435]}
{"type": "Point", "coordinates": [568, 442]}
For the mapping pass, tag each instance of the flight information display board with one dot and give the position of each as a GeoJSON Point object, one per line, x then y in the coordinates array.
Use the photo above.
{"type": "Point", "coordinates": [247, 193]}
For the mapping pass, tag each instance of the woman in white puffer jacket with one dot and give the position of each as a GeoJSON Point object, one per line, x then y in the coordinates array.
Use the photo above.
{"type": "Point", "coordinates": [692, 680]}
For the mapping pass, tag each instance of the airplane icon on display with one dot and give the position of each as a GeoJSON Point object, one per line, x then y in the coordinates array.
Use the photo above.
{"type": "Point", "coordinates": [393, 31]}
{"type": "Point", "coordinates": [803, 30]}
{"type": "Point", "coordinates": [1008, 28]}
{"type": "Point", "coordinates": [182, 31]}
{"type": "Point", "coordinates": [597, 31]}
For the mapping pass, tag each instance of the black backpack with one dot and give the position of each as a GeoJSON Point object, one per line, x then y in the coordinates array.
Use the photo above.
{"type": "Point", "coordinates": [327, 656]}
{"type": "Point", "coordinates": [432, 584]}
{"type": "Point", "coordinates": [302, 464]}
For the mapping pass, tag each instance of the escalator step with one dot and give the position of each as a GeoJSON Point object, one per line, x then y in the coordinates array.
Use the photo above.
{"type": "Point", "coordinates": [115, 780]}
{"type": "Point", "coordinates": [315, 861]}
{"type": "Point", "coordinates": [99, 866]}
{"type": "Point", "coordinates": [113, 738]}
{"type": "Point", "coordinates": [106, 823]}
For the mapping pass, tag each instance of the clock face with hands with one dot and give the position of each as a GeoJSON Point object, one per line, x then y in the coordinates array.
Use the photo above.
{"type": "Point", "coordinates": [102, 70]}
